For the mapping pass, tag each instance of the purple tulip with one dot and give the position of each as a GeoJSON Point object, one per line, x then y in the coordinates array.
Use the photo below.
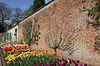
{"type": "Point", "coordinates": [85, 64]}
{"type": "Point", "coordinates": [63, 64]}
{"type": "Point", "coordinates": [65, 61]}
{"type": "Point", "coordinates": [59, 64]}
{"type": "Point", "coordinates": [81, 65]}
{"type": "Point", "coordinates": [54, 65]}
{"type": "Point", "coordinates": [58, 59]}
{"type": "Point", "coordinates": [45, 64]}
{"type": "Point", "coordinates": [40, 63]}
{"type": "Point", "coordinates": [50, 61]}
{"type": "Point", "coordinates": [76, 64]}
{"type": "Point", "coordinates": [78, 61]}
{"type": "Point", "coordinates": [55, 61]}
{"type": "Point", "coordinates": [49, 64]}
{"type": "Point", "coordinates": [34, 64]}
{"type": "Point", "coordinates": [70, 61]}
{"type": "Point", "coordinates": [73, 61]}
{"type": "Point", "coordinates": [62, 58]}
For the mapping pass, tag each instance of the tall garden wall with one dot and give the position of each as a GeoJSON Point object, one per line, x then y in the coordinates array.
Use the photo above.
{"type": "Point", "coordinates": [70, 11]}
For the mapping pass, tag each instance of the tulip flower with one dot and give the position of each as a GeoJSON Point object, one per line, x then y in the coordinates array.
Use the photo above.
{"type": "Point", "coordinates": [46, 50]}
{"type": "Point", "coordinates": [81, 65]}
{"type": "Point", "coordinates": [50, 61]}
{"type": "Point", "coordinates": [8, 62]}
{"type": "Point", "coordinates": [34, 65]}
{"type": "Point", "coordinates": [58, 59]}
{"type": "Point", "coordinates": [59, 64]}
{"type": "Point", "coordinates": [65, 61]}
{"type": "Point", "coordinates": [45, 64]}
{"type": "Point", "coordinates": [49, 54]}
{"type": "Point", "coordinates": [78, 61]}
{"type": "Point", "coordinates": [85, 64]}
{"type": "Point", "coordinates": [50, 65]}
{"type": "Point", "coordinates": [54, 53]}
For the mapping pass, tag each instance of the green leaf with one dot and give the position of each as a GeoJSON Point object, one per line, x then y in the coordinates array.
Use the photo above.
{"type": "Point", "coordinates": [84, 7]}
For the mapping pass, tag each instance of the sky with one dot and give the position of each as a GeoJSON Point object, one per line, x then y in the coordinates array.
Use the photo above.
{"type": "Point", "coordinates": [23, 4]}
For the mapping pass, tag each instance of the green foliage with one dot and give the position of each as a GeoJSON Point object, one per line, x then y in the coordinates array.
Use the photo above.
{"type": "Point", "coordinates": [37, 4]}
{"type": "Point", "coordinates": [94, 13]}
{"type": "Point", "coordinates": [21, 41]}
{"type": "Point", "coordinates": [10, 37]}
{"type": "Point", "coordinates": [97, 40]}
{"type": "Point", "coordinates": [4, 37]}
{"type": "Point", "coordinates": [28, 31]}
{"type": "Point", "coordinates": [84, 7]}
{"type": "Point", "coordinates": [27, 26]}
{"type": "Point", "coordinates": [1, 27]}
{"type": "Point", "coordinates": [29, 61]}
{"type": "Point", "coordinates": [7, 36]}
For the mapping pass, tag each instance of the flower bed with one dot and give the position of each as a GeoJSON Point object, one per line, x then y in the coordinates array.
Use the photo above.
{"type": "Point", "coordinates": [24, 56]}
{"type": "Point", "coordinates": [17, 49]}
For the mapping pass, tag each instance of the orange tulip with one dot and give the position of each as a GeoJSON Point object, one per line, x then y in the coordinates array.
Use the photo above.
{"type": "Point", "coordinates": [32, 54]}
{"type": "Point", "coordinates": [50, 50]}
{"type": "Point", "coordinates": [46, 50]}
{"type": "Point", "coordinates": [13, 48]}
{"type": "Point", "coordinates": [38, 55]}
{"type": "Point", "coordinates": [36, 51]}
{"type": "Point", "coordinates": [3, 50]}
{"type": "Point", "coordinates": [49, 54]}
{"type": "Point", "coordinates": [54, 53]}
{"type": "Point", "coordinates": [17, 53]}
{"type": "Point", "coordinates": [8, 62]}
{"type": "Point", "coordinates": [42, 50]}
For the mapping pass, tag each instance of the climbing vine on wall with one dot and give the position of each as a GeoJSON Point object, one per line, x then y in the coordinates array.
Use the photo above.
{"type": "Point", "coordinates": [31, 32]}
{"type": "Point", "coordinates": [94, 13]}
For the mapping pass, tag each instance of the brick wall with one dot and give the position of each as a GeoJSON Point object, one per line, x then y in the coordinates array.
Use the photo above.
{"type": "Point", "coordinates": [71, 12]}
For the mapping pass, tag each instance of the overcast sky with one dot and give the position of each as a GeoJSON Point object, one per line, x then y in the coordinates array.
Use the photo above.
{"type": "Point", "coordinates": [23, 4]}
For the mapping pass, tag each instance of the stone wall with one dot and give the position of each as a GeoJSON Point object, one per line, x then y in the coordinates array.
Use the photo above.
{"type": "Point", "coordinates": [70, 11]}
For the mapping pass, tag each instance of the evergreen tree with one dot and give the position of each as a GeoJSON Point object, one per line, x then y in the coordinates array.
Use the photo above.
{"type": "Point", "coordinates": [37, 4]}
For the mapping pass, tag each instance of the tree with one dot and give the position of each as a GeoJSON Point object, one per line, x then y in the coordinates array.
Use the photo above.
{"type": "Point", "coordinates": [61, 35]}
{"type": "Point", "coordinates": [15, 22]}
{"type": "Point", "coordinates": [31, 34]}
{"type": "Point", "coordinates": [18, 14]}
{"type": "Point", "coordinates": [5, 12]}
{"type": "Point", "coordinates": [37, 4]}
{"type": "Point", "coordinates": [28, 12]}
{"type": "Point", "coordinates": [1, 27]}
